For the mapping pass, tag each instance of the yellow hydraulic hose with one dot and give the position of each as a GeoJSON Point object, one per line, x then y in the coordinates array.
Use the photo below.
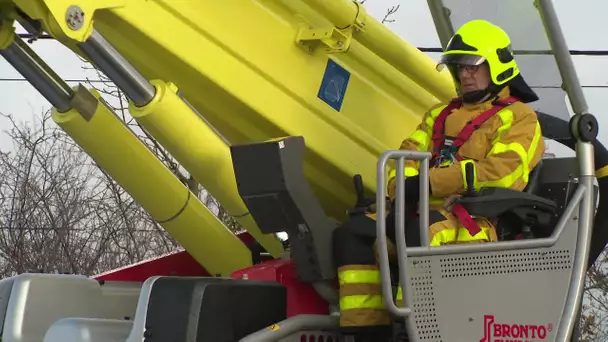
{"type": "Point", "coordinates": [120, 153]}
{"type": "Point", "coordinates": [201, 151]}
{"type": "Point", "coordinates": [389, 46]}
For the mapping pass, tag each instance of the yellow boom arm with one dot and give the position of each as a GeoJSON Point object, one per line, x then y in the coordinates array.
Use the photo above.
{"type": "Point", "coordinates": [250, 70]}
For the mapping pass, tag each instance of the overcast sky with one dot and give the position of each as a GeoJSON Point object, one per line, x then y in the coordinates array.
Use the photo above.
{"type": "Point", "coordinates": [582, 22]}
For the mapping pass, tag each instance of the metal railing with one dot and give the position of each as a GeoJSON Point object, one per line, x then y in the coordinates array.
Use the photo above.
{"type": "Point", "coordinates": [403, 252]}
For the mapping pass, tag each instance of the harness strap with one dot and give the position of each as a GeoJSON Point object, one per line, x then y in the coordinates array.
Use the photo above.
{"type": "Point", "coordinates": [468, 130]}
{"type": "Point", "coordinates": [474, 124]}
{"type": "Point", "coordinates": [439, 125]}
{"type": "Point", "coordinates": [439, 140]}
{"type": "Point", "coordinates": [465, 218]}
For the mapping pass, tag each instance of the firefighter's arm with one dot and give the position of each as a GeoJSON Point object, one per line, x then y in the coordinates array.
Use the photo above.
{"type": "Point", "coordinates": [516, 149]}
{"type": "Point", "coordinates": [419, 140]}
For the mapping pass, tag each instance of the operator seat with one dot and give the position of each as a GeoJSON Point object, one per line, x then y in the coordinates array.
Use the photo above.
{"type": "Point", "coordinates": [509, 221]}
{"type": "Point", "coordinates": [508, 226]}
{"type": "Point", "coordinates": [534, 179]}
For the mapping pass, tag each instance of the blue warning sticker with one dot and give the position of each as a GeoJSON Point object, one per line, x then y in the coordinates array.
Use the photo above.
{"type": "Point", "coordinates": [333, 86]}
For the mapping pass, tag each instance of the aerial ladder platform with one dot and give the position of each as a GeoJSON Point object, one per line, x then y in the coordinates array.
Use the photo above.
{"type": "Point", "coordinates": [274, 107]}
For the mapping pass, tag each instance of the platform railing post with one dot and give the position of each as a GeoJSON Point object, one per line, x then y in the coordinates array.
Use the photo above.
{"type": "Point", "coordinates": [584, 128]}
{"type": "Point", "coordinates": [400, 236]}
{"type": "Point", "coordinates": [441, 19]}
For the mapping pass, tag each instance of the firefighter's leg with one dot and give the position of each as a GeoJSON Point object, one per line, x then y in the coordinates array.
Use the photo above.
{"type": "Point", "coordinates": [362, 309]}
{"type": "Point", "coordinates": [412, 237]}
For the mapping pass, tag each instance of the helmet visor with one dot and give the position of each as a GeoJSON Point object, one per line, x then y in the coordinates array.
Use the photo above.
{"type": "Point", "coordinates": [459, 59]}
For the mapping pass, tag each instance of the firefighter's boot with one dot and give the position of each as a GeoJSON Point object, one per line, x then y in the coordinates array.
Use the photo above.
{"type": "Point", "coordinates": [400, 331]}
{"type": "Point", "coordinates": [383, 335]}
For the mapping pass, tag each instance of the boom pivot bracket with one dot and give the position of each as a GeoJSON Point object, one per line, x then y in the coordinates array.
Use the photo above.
{"type": "Point", "coordinates": [64, 19]}
{"type": "Point", "coordinates": [332, 39]}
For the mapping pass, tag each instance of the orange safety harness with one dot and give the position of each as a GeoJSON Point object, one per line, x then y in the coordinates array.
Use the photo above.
{"type": "Point", "coordinates": [441, 151]}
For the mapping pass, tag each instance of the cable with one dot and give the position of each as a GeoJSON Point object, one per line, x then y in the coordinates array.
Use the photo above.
{"type": "Point", "coordinates": [49, 229]}
{"type": "Point", "coordinates": [244, 214]}
{"type": "Point", "coordinates": [535, 52]}
{"type": "Point", "coordinates": [31, 36]}
{"type": "Point", "coordinates": [65, 79]}
{"type": "Point", "coordinates": [96, 228]}
{"type": "Point", "coordinates": [423, 49]}
{"type": "Point", "coordinates": [558, 87]}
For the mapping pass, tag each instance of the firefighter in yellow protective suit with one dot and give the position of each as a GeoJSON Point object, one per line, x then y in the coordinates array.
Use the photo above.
{"type": "Point", "coordinates": [489, 126]}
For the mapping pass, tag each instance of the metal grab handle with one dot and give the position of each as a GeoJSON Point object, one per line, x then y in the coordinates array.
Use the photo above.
{"type": "Point", "coordinates": [585, 155]}
{"type": "Point", "coordinates": [405, 281]}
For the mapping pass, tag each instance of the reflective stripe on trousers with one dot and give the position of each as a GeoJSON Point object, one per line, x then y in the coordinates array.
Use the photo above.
{"type": "Point", "coordinates": [450, 230]}
{"type": "Point", "coordinates": [361, 302]}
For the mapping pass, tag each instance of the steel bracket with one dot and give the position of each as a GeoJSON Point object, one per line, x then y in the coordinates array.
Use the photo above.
{"type": "Point", "coordinates": [331, 40]}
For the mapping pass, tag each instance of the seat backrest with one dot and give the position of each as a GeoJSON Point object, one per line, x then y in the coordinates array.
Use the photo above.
{"type": "Point", "coordinates": [534, 179]}
{"type": "Point", "coordinates": [508, 226]}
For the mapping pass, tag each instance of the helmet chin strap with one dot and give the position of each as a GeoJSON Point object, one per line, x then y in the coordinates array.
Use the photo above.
{"type": "Point", "coordinates": [478, 96]}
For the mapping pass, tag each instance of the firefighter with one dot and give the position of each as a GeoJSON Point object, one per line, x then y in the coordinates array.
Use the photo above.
{"type": "Point", "coordinates": [489, 127]}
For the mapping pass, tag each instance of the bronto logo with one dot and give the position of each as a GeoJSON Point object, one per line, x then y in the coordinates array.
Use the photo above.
{"type": "Point", "coordinates": [501, 332]}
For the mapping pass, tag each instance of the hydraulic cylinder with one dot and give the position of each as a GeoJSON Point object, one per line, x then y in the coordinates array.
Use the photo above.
{"type": "Point", "coordinates": [169, 119]}
{"type": "Point", "coordinates": [181, 130]}
{"type": "Point", "coordinates": [120, 153]}
{"type": "Point", "coordinates": [116, 149]}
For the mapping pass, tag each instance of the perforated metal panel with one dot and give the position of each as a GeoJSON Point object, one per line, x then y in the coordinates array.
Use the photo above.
{"type": "Point", "coordinates": [511, 262]}
{"type": "Point", "coordinates": [424, 301]}
{"type": "Point", "coordinates": [314, 336]}
{"type": "Point", "coordinates": [464, 297]}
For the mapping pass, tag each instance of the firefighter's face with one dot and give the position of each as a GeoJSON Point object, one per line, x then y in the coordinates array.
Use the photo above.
{"type": "Point", "coordinates": [473, 78]}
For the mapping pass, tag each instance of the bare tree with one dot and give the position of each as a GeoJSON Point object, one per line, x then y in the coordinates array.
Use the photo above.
{"type": "Point", "coordinates": [594, 318]}
{"type": "Point", "coordinates": [119, 103]}
{"type": "Point", "coordinates": [59, 212]}
{"type": "Point", "coordinates": [390, 12]}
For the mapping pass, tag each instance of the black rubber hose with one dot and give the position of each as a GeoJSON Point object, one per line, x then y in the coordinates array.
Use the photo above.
{"type": "Point", "coordinates": [558, 129]}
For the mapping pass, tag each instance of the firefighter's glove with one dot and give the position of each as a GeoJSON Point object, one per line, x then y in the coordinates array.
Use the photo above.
{"type": "Point", "coordinates": [412, 191]}
{"type": "Point", "coordinates": [412, 196]}
{"type": "Point", "coordinates": [449, 202]}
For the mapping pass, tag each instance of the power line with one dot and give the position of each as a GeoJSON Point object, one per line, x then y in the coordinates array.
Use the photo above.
{"type": "Point", "coordinates": [582, 86]}
{"type": "Point", "coordinates": [31, 36]}
{"type": "Point", "coordinates": [102, 81]}
{"type": "Point", "coordinates": [533, 52]}
{"type": "Point", "coordinates": [92, 229]}
{"type": "Point", "coordinates": [65, 80]}
{"type": "Point", "coordinates": [423, 49]}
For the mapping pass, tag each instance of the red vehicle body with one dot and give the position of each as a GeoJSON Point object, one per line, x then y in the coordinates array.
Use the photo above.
{"type": "Point", "coordinates": [301, 296]}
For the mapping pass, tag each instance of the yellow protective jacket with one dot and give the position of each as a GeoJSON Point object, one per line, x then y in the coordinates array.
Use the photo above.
{"type": "Point", "coordinates": [504, 149]}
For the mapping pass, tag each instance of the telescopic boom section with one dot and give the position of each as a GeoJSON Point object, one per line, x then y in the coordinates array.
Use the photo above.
{"type": "Point", "coordinates": [117, 150]}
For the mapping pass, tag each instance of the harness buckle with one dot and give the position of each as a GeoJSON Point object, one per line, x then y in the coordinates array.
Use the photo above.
{"type": "Point", "coordinates": [446, 157]}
